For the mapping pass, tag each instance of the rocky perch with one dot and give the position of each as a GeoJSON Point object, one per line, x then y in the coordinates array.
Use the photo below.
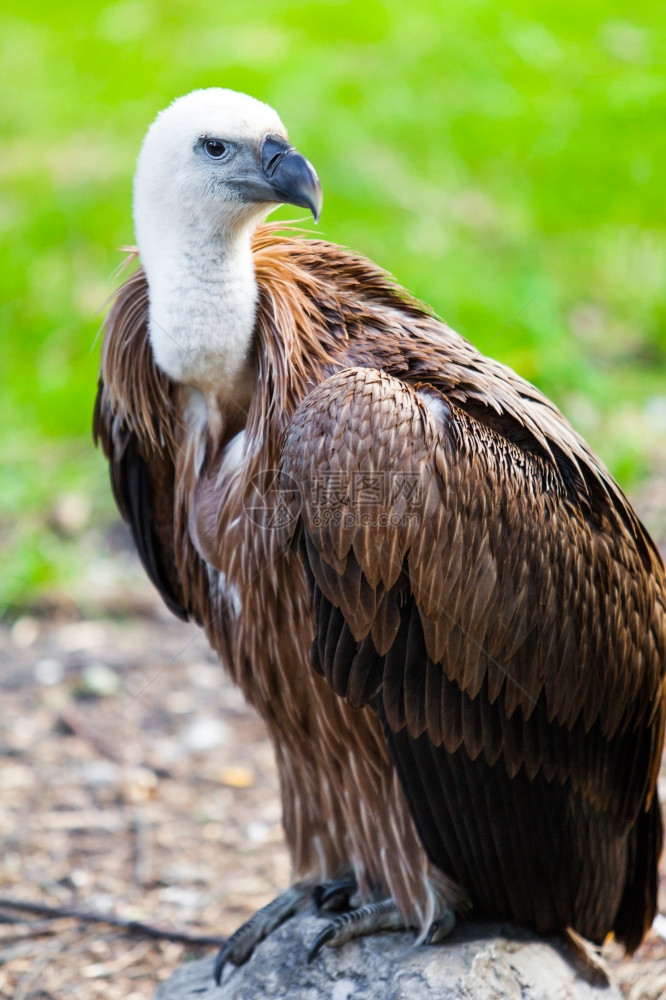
{"type": "Point", "coordinates": [489, 962]}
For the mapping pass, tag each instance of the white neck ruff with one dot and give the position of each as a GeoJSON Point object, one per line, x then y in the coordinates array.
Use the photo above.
{"type": "Point", "coordinates": [203, 303]}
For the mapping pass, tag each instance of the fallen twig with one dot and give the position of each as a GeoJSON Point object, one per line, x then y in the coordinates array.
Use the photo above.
{"type": "Point", "coordinates": [23, 930]}
{"type": "Point", "coordinates": [142, 851]}
{"type": "Point", "coordinates": [130, 926]}
{"type": "Point", "coordinates": [34, 975]}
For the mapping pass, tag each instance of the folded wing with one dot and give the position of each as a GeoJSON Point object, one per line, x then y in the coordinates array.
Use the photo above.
{"type": "Point", "coordinates": [509, 628]}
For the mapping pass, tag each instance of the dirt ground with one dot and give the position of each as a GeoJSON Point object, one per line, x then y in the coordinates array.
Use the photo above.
{"type": "Point", "coordinates": [134, 781]}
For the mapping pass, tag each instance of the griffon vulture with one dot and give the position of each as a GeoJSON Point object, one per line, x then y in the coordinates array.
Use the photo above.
{"type": "Point", "coordinates": [443, 607]}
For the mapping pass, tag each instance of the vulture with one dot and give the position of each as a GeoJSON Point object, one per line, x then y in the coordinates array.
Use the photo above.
{"type": "Point", "coordinates": [445, 610]}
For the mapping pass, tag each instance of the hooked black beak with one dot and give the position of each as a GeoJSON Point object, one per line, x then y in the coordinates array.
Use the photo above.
{"type": "Point", "coordinates": [292, 178]}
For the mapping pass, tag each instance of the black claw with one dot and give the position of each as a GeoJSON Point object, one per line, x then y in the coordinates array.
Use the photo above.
{"type": "Point", "coordinates": [221, 961]}
{"type": "Point", "coordinates": [441, 928]}
{"type": "Point", "coordinates": [231, 948]}
{"type": "Point", "coordinates": [333, 895]}
{"type": "Point", "coordinates": [321, 939]}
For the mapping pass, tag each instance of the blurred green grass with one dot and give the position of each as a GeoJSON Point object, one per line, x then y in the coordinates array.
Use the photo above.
{"type": "Point", "coordinates": [505, 162]}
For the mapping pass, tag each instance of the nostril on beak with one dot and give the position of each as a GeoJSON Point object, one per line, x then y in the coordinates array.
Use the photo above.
{"type": "Point", "coordinates": [273, 151]}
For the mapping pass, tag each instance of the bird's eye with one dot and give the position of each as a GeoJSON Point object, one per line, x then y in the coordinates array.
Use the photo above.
{"type": "Point", "coordinates": [215, 148]}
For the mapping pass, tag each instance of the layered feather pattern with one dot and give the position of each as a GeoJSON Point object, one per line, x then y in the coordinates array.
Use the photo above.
{"type": "Point", "coordinates": [445, 609]}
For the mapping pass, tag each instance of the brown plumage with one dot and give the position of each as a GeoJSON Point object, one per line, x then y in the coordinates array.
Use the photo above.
{"type": "Point", "coordinates": [480, 718]}
{"type": "Point", "coordinates": [443, 607]}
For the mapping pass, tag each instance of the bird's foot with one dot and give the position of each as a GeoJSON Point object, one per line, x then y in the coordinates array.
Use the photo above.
{"type": "Point", "coordinates": [377, 916]}
{"type": "Point", "coordinates": [242, 942]}
{"type": "Point", "coordinates": [335, 895]}
{"type": "Point", "coordinates": [381, 916]}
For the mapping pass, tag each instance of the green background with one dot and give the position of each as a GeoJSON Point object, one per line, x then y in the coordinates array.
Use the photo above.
{"type": "Point", "coordinates": [504, 160]}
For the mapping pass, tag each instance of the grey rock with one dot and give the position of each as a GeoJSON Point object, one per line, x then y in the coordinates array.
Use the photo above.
{"type": "Point", "coordinates": [488, 962]}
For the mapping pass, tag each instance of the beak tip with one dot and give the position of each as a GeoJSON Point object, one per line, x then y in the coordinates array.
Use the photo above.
{"type": "Point", "coordinates": [316, 202]}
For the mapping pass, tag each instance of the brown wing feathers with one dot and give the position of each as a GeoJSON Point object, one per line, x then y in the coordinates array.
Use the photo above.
{"type": "Point", "coordinates": [134, 422]}
{"type": "Point", "coordinates": [501, 654]}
